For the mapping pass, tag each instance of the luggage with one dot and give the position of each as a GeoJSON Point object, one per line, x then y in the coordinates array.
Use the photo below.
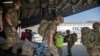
{"type": "Point", "coordinates": [43, 26]}
{"type": "Point", "coordinates": [27, 50]}
{"type": "Point", "coordinates": [26, 35]}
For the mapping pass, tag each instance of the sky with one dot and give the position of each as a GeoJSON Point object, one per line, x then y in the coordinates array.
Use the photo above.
{"type": "Point", "coordinates": [88, 15]}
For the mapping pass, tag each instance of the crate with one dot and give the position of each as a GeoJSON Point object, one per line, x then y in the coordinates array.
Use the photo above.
{"type": "Point", "coordinates": [27, 50]}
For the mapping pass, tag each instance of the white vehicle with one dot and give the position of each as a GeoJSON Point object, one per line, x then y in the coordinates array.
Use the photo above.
{"type": "Point", "coordinates": [36, 37]}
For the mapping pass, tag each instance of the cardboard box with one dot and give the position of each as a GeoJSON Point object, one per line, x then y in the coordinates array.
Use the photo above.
{"type": "Point", "coordinates": [27, 50]}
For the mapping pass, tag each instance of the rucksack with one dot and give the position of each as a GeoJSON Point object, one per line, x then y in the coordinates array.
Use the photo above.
{"type": "Point", "coordinates": [74, 37]}
{"type": "Point", "coordinates": [43, 26]}
{"type": "Point", "coordinates": [59, 40]}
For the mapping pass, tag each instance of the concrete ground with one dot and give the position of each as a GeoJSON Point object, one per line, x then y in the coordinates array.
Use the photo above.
{"type": "Point", "coordinates": [77, 50]}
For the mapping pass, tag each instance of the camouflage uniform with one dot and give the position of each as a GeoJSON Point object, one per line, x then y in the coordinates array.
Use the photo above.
{"type": "Point", "coordinates": [69, 46]}
{"type": "Point", "coordinates": [96, 31]}
{"type": "Point", "coordinates": [96, 48]}
{"type": "Point", "coordinates": [51, 27]}
{"type": "Point", "coordinates": [12, 37]}
{"type": "Point", "coordinates": [1, 32]}
{"type": "Point", "coordinates": [1, 25]}
{"type": "Point", "coordinates": [88, 40]}
{"type": "Point", "coordinates": [84, 32]}
{"type": "Point", "coordinates": [72, 38]}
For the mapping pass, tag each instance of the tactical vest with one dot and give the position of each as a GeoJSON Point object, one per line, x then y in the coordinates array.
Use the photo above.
{"type": "Point", "coordinates": [59, 40]}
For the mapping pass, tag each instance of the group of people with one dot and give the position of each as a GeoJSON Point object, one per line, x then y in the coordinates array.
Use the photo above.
{"type": "Point", "coordinates": [55, 40]}
{"type": "Point", "coordinates": [89, 38]}
{"type": "Point", "coordinates": [9, 21]}
{"type": "Point", "coordinates": [60, 39]}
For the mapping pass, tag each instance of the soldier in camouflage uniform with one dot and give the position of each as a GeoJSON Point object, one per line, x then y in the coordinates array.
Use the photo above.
{"type": "Point", "coordinates": [67, 39]}
{"type": "Point", "coordinates": [10, 23]}
{"type": "Point", "coordinates": [49, 35]}
{"type": "Point", "coordinates": [84, 31]}
{"type": "Point", "coordinates": [1, 28]}
{"type": "Point", "coordinates": [1, 25]}
{"type": "Point", "coordinates": [71, 39]}
{"type": "Point", "coordinates": [96, 30]}
{"type": "Point", "coordinates": [90, 39]}
{"type": "Point", "coordinates": [86, 39]}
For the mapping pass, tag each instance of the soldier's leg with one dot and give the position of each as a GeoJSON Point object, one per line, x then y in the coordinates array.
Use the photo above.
{"type": "Point", "coordinates": [15, 42]}
{"type": "Point", "coordinates": [90, 51]}
{"type": "Point", "coordinates": [54, 51]}
{"type": "Point", "coordinates": [14, 49]}
{"type": "Point", "coordinates": [99, 51]}
{"type": "Point", "coordinates": [48, 51]}
{"type": "Point", "coordinates": [12, 40]}
{"type": "Point", "coordinates": [9, 35]}
{"type": "Point", "coordinates": [96, 52]}
{"type": "Point", "coordinates": [69, 49]}
{"type": "Point", "coordinates": [51, 50]}
{"type": "Point", "coordinates": [8, 44]}
{"type": "Point", "coordinates": [60, 51]}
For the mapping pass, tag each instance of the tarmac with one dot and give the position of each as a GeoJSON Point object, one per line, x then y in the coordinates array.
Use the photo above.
{"type": "Point", "coordinates": [77, 50]}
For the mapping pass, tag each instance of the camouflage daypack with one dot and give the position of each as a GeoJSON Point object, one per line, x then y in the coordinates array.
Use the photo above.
{"type": "Point", "coordinates": [88, 37]}
{"type": "Point", "coordinates": [84, 33]}
{"type": "Point", "coordinates": [43, 26]}
{"type": "Point", "coordinates": [74, 37]}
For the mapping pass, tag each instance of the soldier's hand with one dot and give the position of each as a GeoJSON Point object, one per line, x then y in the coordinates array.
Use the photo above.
{"type": "Point", "coordinates": [19, 22]}
{"type": "Point", "coordinates": [13, 29]}
{"type": "Point", "coordinates": [68, 39]}
{"type": "Point", "coordinates": [1, 28]}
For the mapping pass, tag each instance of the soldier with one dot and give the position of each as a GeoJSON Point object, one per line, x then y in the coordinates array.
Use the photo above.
{"type": "Point", "coordinates": [96, 30]}
{"type": "Point", "coordinates": [10, 23]}
{"type": "Point", "coordinates": [67, 39]}
{"type": "Point", "coordinates": [86, 39]}
{"type": "Point", "coordinates": [59, 39]}
{"type": "Point", "coordinates": [84, 31]}
{"type": "Point", "coordinates": [1, 25]}
{"type": "Point", "coordinates": [90, 38]}
{"type": "Point", "coordinates": [1, 28]}
{"type": "Point", "coordinates": [70, 38]}
{"type": "Point", "coordinates": [49, 35]}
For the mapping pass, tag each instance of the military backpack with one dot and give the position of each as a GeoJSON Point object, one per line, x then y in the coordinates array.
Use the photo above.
{"type": "Point", "coordinates": [43, 26]}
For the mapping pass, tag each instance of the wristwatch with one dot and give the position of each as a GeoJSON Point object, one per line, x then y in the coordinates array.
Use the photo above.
{"type": "Point", "coordinates": [12, 26]}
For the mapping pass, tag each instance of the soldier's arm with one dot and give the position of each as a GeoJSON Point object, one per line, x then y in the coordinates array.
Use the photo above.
{"type": "Point", "coordinates": [52, 32]}
{"type": "Point", "coordinates": [0, 19]}
{"type": "Point", "coordinates": [8, 20]}
{"type": "Point", "coordinates": [51, 38]}
{"type": "Point", "coordinates": [8, 17]}
{"type": "Point", "coordinates": [1, 24]}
